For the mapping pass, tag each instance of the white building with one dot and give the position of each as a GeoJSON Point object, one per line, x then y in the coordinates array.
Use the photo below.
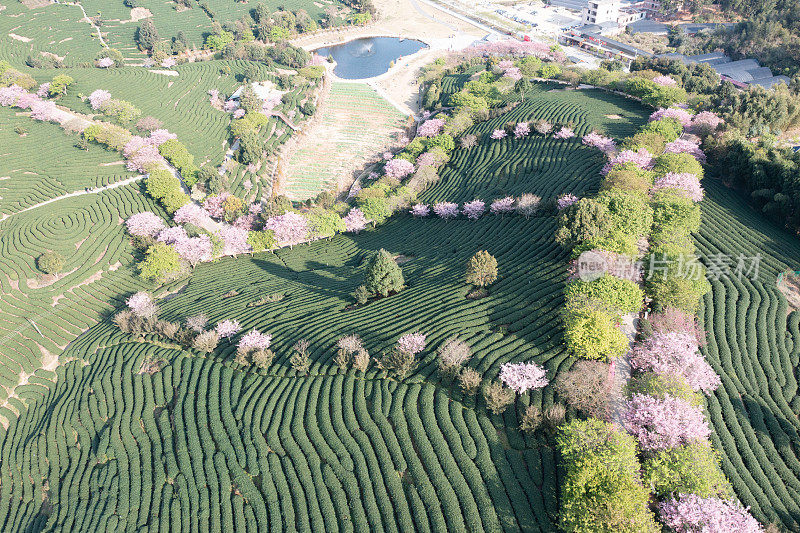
{"type": "Point", "coordinates": [603, 11]}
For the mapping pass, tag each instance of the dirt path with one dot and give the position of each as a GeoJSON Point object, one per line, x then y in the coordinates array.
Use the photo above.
{"type": "Point", "coordinates": [85, 16]}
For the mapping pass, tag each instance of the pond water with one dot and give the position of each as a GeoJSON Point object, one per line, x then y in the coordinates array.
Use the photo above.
{"type": "Point", "coordinates": [368, 57]}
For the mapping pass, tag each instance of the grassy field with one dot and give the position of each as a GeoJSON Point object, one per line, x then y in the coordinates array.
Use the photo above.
{"type": "Point", "coordinates": [754, 344]}
{"type": "Point", "coordinates": [202, 444]}
{"type": "Point", "coordinates": [355, 124]}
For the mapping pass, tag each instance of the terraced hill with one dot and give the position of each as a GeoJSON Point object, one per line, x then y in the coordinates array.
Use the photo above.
{"type": "Point", "coordinates": [201, 444]}
{"type": "Point", "coordinates": [754, 345]}
{"type": "Point", "coordinates": [27, 178]}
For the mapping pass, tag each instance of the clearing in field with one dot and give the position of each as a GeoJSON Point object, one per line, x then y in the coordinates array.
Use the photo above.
{"type": "Point", "coordinates": [352, 127]}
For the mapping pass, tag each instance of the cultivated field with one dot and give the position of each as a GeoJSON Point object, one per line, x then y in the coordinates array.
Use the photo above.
{"type": "Point", "coordinates": [354, 125]}
{"type": "Point", "coordinates": [754, 345]}
{"type": "Point", "coordinates": [203, 444]}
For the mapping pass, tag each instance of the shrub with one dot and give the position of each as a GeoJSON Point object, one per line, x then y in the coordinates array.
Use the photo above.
{"type": "Point", "coordinates": [621, 294]}
{"type": "Point", "coordinates": [673, 285]}
{"type": "Point", "coordinates": [532, 418]}
{"type": "Point", "coordinates": [260, 241]}
{"type": "Point", "coordinates": [206, 341]}
{"type": "Point", "coordinates": [688, 469]}
{"type": "Point", "coordinates": [59, 85]}
{"type": "Point", "coordinates": [262, 358]}
{"type": "Point", "coordinates": [361, 295]}
{"type": "Point", "coordinates": [601, 489]}
{"type": "Point", "coordinates": [662, 385]}
{"type": "Point", "coordinates": [497, 397]}
{"type": "Point", "coordinates": [555, 415]}
{"type": "Point", "coordinates": [50, 262]}
{"type": "Point", "coordinates": [453, 353]}
{"type": "Point", "coordinates": [592, 334]}
{"type": "Point", "coordinates": [671, 162]}
{"type": "Point", "coordinates": [481, 269]}
{"type": "Point", "coordinates": [470, 381]}
{"type": "Point", "coordinates": [528, 204]}
{"type": "Point", "coordinates": [631, 213]}
{"type": "Point", "coordinates": [589, 388]}
{"type": "Point", "coordinates": [161, 263]}
{"type": "Point", "coordinates": [669, 128]}
{"type": "Point", "coordinates": [650, 141]}
{"type": "Point", "coordinates": [397, 362]}
{"type": "Point", "coordinates": [628, 179]}
{"type": "Point", "coordinates": [300, 360]}
{"type": "Point", "coordinates": [584, 220]}
{"type": "Point", "coordinates": [383, 275]}
{"type": "Point", "coordinates": [161, 182]}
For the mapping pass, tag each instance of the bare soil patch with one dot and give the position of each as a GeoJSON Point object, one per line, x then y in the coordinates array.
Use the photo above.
{"type": "Point", "coordinates": [789, 285]}
{"type": "Point", "coordinates": [20, 38]}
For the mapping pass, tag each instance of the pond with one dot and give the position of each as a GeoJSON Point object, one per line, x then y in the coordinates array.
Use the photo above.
{"type": "Point", "coordinates": [370, 56]}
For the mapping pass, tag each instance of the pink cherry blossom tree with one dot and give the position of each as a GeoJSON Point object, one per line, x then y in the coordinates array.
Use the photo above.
{"type": "Point", "coordinates": [689, 513]}
{"type": "Point", "coordinates": [44, 90]}
{"type": "Point", "coordinates": [498, 134]}
{"type": "Point", "coordinates": [686, 183]}
{"type": "Point", "coordinates": [234, 240]}
{"type": "Point", "coordinates": [595, 140]}
{"type": "Point", "coordinates": [10, 95]}
{"type": "Point", "coordinates": [227, 328]}
{"type": "Point", "coordinates": [420, 211]}
{"type": "Point", "coordinates": [446, 210]}
{"type": "Point", "coordinates": [666, 81]}
{"type": "Point", "coordinates": [289, 228]}
{"type": "Point", "coordinates": [705, 122]}
{"type": "Point", "coordinates": [675, 354]}
{"type": "Point", "coordinates": [684, 146]}
{"type": "Point", "coordinates": [411, 343]}
{"type": "Point", "coordinates": [194, 250]}
{"type": "Point", "coordinates": [564, 133]}
{"type": "Point", "coordinates": [641, 158]}
{"type": "Point", "coordinates": [665, 423]}
{"type": "Point", "coordinates": [502, 206]}
{"type": "Point", "coordinates": [172, 234]}
{"type": "Point", "coordinates": [105, 62]}
{"type": "Point", "coordinates": [214, 205]}
{"type": "Point", "coordinates": [474, 210]}
{"type": "Point", "coordinates": [144, 224]}
{"type": "Point", "coordinates": [98, 98]}
{"type": "Point", "coordinates": [430, 128]}
{"type": "Point", "coordinates": [683, 116]}
{"type": "Point", "coordinates": [355, 221]}
{"type": "Point", "coordinates": [142, 305]}
{"type": "Point", "coordinates": [45, 111]}
{"type": "Point", "coordinates": [160, 136]}
{"type": "Point", "coordinates": [543, 127]}
{"type": "Point", "coordinates": [565, 200]}
{"type": "Point", "coordinates": [190, 213]}
{"type": "Point", "coordinates": [522, 377]}
{"type": "Point", "coordinates": [521, 130]}
{"type": "Point", "coordinates": [398, 168]}
{"type": "Point", "coordinates": [254, 340]}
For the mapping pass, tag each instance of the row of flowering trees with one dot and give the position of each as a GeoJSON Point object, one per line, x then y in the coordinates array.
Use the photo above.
{"type": "Point", "coordinates": [649, 193]}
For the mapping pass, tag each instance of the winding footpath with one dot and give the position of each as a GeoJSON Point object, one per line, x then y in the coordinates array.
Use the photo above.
{"type": "Point", "coordinates": [90, 21]}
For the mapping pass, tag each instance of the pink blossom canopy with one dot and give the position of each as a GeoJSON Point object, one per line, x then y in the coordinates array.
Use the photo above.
{"type": "Point", "coordinates": [502, 206]}
{"type": "Point", "coordinates": [521, 130]}
{"type": "Point", "coordinates": [398, 168]}
{"type": "Point", "coordinates": [684, 146]}
{"type": "Point", "coordinates": [234, 240]}
{"type": "Point", "coordinates": [289, 228]}
{"type": "Point", "coordinates": [190, 213]}
{"type": "Point", "coordinates": [98, 98]}
{"type": "Point", "coordinates": [430, 128]}
{"type": "Point", "coordinates": [194, 250]}
{"type": "Point", "coordinates": [144, 224]}
{"type": "Point", "coordinates": [705, 122]}
{"type": "Point", "coordinates": [160, 136]}
{"type": "Point", "coordinates": [640, 158]}
{"type": "Point", "coordinates": [411, 343]}
{"type": "Point", "coordinates": [685, 183]}
{"type": "Point", "coordinates": [564, 133]}
{"type": "Point", "coordinates": [355, 221]}
{"type": "Point", "coordinates": [665, 423]}
{"type": "Point", "coordinates": [522, 377]}
{"type": "Point", "coordinates": [689, 513]}
{"type": "Point", "coordinates": [142, 305]}
{"type": "Point", "coordinates": [683, 116]}
{"type": "Point", "coordinates": [227, 328]}
{"type": "Point", "coordinates": [676, 354]}
{"type": "Point", "coordinates": [105, 62]}
{"type": "Point", "coordinates": [10, 95]}
{"type": "Point", "coordinates": [565, 201]}
{"type": "Point", "coordinates": [420, 210]}
{"type": "Point", "coordinates": [595, 140]}
{"type": "Point", "coordinates": [665, 81]}
{"type": "Point", "coordinates": [499, 134]}
{"type": "Point", "coordinates": [446, 210]}
{"type": "Point", "coordinates": [474, 209]}
{"type": "Point", "coordinates": [254, 340]}
{"type": "Point", "coordinates": [172, 234]}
